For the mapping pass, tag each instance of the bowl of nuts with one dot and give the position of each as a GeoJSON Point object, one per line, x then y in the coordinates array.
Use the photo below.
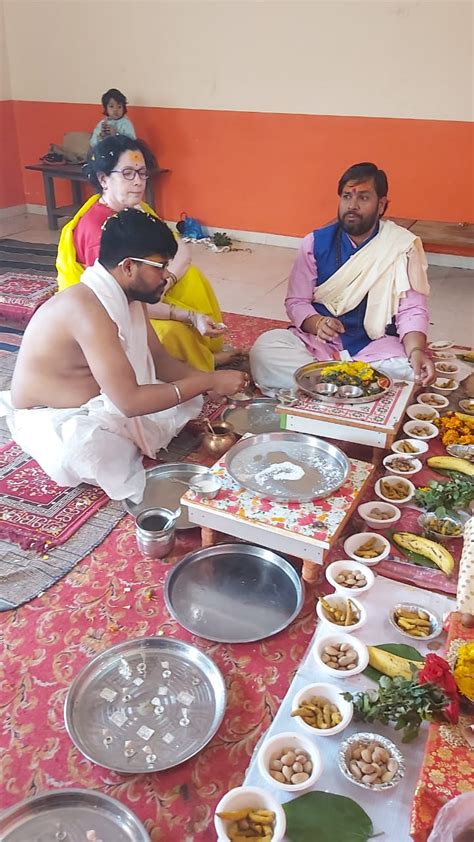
{"type": "Point", "coordinates": [290, 762]}
{"type": "Point", "coordinates": [245, 809]}
{"type": "Point", "coordinates": [420, 412]}
{"type": "Point", "coordinates": [446, 367]}
{"type": "Point", "coordinates": [368, 547]}
{"type": "Point", "coordinates": [432, 399]}
{"type": "Point", "coordinates": [337, 610]}
{"type": "Point", "coordinates": [446, 384]}
{"type": "Point", "coordinates": [379, 515]}
{"type": "Point", "coordinates": [371, 761]}
{"type": "Point", "coordinates": [401, 465]}
{"type": "Point", "coordinates": [423, 430]}
{"type": "Point", "coordinates": [394, 490]}
{"type": "Point", "coordinates": [409, 447]}
{"type": "Point", "coordinates": [321, 710]}
{"type": "Point", "coordinates": [348, 577]}
{"type": "Point", "coordinates": [341, 655]}
{"type": "Point", "coordinates": [415, 621]}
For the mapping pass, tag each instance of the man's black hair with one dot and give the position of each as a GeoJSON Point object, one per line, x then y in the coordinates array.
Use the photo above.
{"type": "Point", "coordinates": [118, 96]}
{"type": "Point", "coordinates": [132, 233]}
{"type": "Point", "coordinates": [364, 172]}
{"type": "Point", "coordinates": [105, 156]}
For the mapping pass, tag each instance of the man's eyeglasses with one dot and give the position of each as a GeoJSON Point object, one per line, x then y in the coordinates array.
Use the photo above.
{"type": "Point", "coordinates": [148, 262]}
{"type": "Point", "coordinates": [129, 173]}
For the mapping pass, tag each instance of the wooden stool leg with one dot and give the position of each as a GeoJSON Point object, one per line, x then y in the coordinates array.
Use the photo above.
{"type": "Point", "coordinates": [312, 573]}
{"type": "Point", "coordinates": [377, 456]}
{"type": "Point", "coordinates": [210, 537]}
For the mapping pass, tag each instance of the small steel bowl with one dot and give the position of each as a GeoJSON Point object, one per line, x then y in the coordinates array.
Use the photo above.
{"type": "Point", "coordinates": [288, 397]}
{"type": "Point", "coordinates": [205, 486]}
{"type": "Point", "coordinates": [436, 624]}
{"type": "Point", "coordinates": [425, 520]}
{"type": "Point", "coordinates": [326, 390]}
{"type": "Point", "coordinates": [349, 392]}
{"type": "Point", "coordinates": [366, 737]}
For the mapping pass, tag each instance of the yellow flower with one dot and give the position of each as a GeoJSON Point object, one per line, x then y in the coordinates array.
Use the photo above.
{"type": "Point", "coordinates": [464, 671]}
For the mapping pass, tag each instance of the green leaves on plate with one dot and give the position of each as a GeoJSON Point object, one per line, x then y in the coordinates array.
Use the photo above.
{"type": "Point", "coordinates": [323, 817]}
{"type": "Point", "coordinates": [403, 650]}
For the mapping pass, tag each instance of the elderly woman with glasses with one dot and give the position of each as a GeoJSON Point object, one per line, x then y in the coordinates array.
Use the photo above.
{"type": "Point", "coordinates": [187, 320]}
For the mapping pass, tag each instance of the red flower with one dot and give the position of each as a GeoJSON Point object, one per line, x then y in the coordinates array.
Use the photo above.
{"type": "Point", "coordinates": [437, 671]}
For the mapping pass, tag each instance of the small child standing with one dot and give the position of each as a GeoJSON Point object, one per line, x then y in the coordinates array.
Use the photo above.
{"type": "Point", "coordinates": [114, 103]}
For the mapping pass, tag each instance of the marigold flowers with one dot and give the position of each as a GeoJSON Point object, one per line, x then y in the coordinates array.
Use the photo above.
{"type": "Point", "coordinates": [454, 430]}
{"type": "Point", "coordinates": [464, 671]}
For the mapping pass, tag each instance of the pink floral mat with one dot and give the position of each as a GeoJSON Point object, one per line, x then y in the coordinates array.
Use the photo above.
{"type": "Point", "coordinates": [21, 294]}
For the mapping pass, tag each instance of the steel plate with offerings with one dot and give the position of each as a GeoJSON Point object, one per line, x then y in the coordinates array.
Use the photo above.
{"type": "Point", "coordinates": [255, 416]}
{"type": "Point", "coordinates": [145, 705]}
{"type": "Point", "coordinates": [234, 593]}
{"type": "Point", "coordinates": [75, 815]}
{"type": "Point", "coordinates": [287, 466]}
{"type": "Point", "coordinates": [342, 382]}
{"type": "Point", "coordinates": [164, 489]}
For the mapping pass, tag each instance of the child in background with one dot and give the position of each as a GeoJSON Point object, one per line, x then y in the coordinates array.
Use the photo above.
{"type": "Point", "coordinates": [114, 103]}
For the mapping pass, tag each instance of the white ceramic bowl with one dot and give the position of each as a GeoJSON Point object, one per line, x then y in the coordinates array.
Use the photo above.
{"type": "Point", "coordinates": [440, 383]}
{"type": "Point", "coordinates": [421, 447]}
{"type": "Point", "coordinates": [354, 542]}
{"type": "Point", "coordinates": [436, 625]}
{"type": "Point", "coordinates": [443, 355]}
{"type": "Point", "coordinates": [467, 406]}
{"type": "Point", "coordinates": [334, 697]}
{"type": "Point", "coordinates": [410, 428]}
{"type": "Point", "coordinates": [376, 523]}
{"type": "Point", "coordinates": [392, 481]}
{"type": "Point", "coordinates": [388, 463]}
{"type": "Point", "coordinates": [423, 396]}
{"type": "Point", "coordinates": [253, 797]}
{"type": "Point", "coordinates": [440, 345]}
{"type": "Point", "coordinates": [330, 640]}
{"type": "Point", "coordinates": [274, 746]}
{"type": "Point", "coordinates": [416, 409]}
{"type": "Point", "coordinates": [441, 365]}
{"type": "Point", "coordinates": [338, 566]}
{"type": "Point", "coordinates": [336, 600]}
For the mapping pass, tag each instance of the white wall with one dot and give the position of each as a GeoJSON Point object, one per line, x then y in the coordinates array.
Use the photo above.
{"type": "Point", "coordinates": [412, 58]}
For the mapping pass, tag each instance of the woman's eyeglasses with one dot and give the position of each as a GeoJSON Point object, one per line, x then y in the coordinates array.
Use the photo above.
{"type": "Point", "coordinates": [129, 173]}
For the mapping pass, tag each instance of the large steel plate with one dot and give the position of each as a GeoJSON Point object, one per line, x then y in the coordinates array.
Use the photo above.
{"type": "Point", "coordinates": [145, 705]}
{"type": "Point", "coordinates": [287, 466]}
{"type": "Point", "coordinates": [164, 488]}
{"type": "Point", "coordinates": [234, 593]}
{"type": "Point", "coordinates": [256, 416]}
{"type": "Point", "coordinates": [71, 814]}
{"type": "Point", "coordinates": [309, 376]}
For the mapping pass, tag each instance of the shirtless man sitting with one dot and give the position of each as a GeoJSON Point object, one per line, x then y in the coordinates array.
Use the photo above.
{"type": "Point", "coordinates": [93, 389]}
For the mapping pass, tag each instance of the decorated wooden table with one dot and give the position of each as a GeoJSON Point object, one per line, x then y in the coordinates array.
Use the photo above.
{"type": "Point", "coordinates": [375, 424]}
{"type": "Point", "coordinates": [304, 530]}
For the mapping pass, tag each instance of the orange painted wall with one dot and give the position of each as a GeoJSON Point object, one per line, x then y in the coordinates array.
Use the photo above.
{"type": "Point", "coordinates": [11, 177]}
{"type": "Point", "coordinates": [274, 172]}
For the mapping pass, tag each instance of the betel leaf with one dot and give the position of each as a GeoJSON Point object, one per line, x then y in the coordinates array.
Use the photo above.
{"type": "Point", "coordinates": [324, 817]}
{"type": "Point", "coordinates": [403, 650]}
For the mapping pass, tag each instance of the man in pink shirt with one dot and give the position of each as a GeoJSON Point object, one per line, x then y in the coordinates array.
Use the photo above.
{"type": "Point", "coordinates": [358, 289]}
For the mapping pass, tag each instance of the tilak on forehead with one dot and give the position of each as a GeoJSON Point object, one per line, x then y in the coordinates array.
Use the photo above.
{"type": "Point", "coordinates": [136, 156]}
{"type": "Point", "coordinates": [359, 186]}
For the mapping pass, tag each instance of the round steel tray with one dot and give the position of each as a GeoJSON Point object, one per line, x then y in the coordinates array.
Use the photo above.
{"type": "Point", "coordinates": [287, 466]}
{"type": "Point", "coordinates": [154, 696]}
{"type": "Point", "coordinates": [163, 490]}
{"type": "Point", "coordinates": [309, 375]}
{"type": "Point", "coordinates": [256, 416]}
{"type": "Point", "coordinates": [72, 812]}
{"type": "Point", "coordinates": [234, 593]}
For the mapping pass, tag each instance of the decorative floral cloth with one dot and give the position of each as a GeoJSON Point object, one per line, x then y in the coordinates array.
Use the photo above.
{"type": "Point", "coordinates": [21, 294]}
{"type": "Point", "coordinates": [449, 760]}
{"type": "Point", "coordinates": [379, 413]}
{"type": "Point", "coordinates": [35, 512]}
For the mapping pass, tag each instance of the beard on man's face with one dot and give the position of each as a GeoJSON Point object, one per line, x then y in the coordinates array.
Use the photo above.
{"type": "Point", "coordinates": [356, 224]}
{"type": "Point", "coordinates": [147, 296]}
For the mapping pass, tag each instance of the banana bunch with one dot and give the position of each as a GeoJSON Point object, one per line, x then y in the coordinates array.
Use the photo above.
{"type": "Point", "coordinates": [466, 419]}
{"type": "Point", "coordinates": [468, 356]}
{"type": "Point", "coordinates": [452, 463]}
{"type": "Point", "coordinates": [426, 548]}
{"type": "Point", "coordinates": [392, 665]}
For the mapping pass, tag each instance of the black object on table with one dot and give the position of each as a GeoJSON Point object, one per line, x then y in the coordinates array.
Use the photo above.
{"type": "Point", "coordinates": [76, 175]}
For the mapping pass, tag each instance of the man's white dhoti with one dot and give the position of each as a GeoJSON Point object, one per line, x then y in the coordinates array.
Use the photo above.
{"type": "Point", "coordinates": [96, 443]}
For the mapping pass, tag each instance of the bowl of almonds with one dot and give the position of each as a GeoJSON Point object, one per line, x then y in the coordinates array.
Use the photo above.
{"type": "Point", "coordinates": [337, 610]}
{"type": "Point", "coordinates": [341, 655]}
{"type": "Point", "coordinates": [379, 515]}
{"type": "Point", "coordinates": [321, 710]}
{"type": "Point", "coordinates": [290, 762]}
{"type": "Point", "coordinates": [371, 761]}
{"type": "Point", "coordinates": [350, 577]}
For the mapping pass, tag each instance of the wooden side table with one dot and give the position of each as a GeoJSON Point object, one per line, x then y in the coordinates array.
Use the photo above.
{"type": "Point", "coordinates": [304, 530]}
{"type": "Point", "coordinates": [75, 174]}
